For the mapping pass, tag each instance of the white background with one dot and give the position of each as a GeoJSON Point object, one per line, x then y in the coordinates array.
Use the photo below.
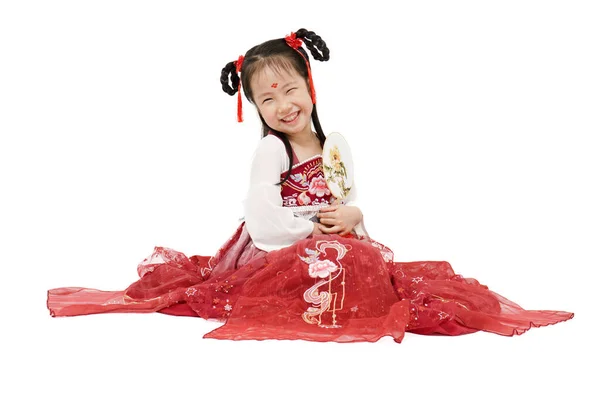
{"type": "Point", "coordinates": [474, 127]}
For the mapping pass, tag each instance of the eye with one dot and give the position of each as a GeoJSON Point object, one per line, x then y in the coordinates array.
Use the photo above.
{"type": "Point", "coordinates": [267, 99]}
{"type": "Point", "coordinates": [290, 89]}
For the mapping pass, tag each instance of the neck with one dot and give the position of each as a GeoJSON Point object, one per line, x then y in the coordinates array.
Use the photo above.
{"type": "Point", "coordinates": [305, 138]}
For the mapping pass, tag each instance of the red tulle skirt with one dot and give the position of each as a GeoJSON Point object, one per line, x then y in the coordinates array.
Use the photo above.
{"type": "Point", "coordinates": [323, 288]}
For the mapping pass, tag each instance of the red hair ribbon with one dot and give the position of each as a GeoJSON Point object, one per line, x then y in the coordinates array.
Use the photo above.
{"type": "Point", "coordinates": [293, 41]}
{"type": "Point", "coordinates": [295, 44]}
{"type": "Point", "coordinates": [238, 69]}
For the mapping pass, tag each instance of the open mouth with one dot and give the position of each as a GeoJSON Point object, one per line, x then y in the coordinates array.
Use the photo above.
{"type": "Point", "coordinates": [291, 118]}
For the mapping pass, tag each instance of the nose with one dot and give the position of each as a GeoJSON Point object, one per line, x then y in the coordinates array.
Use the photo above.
{"type": "Point", "coordinates": [284, 108]}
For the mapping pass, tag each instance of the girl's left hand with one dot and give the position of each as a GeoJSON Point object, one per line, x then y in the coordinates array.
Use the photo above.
{"type": "Point", "coordinates": [339, 219]}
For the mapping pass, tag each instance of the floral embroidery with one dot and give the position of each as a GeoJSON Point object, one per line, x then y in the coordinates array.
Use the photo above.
{"type": "Point", "coordinates": [417, 279]}
{"type": "Point", "coordinates": [303, 199]}
{"type": "Point", "coordinates": [321, 269]}
{"type": "Point", "coordinates": [300, 179]}
{"type": "Point", "coordinates": [328, 270]}
{"type": "Point", "coordinates": [290, 201]}
{"type": "Point", "coordinates": [228, 307]}
{"type": "Point", "coordinates": [313, 256]}
{"type": "Point", "coordinates": [190, 291]}
{"type": "Point", "coordinates": [306, 189]}
{"type": "Point", "coordinates": [318, 186]}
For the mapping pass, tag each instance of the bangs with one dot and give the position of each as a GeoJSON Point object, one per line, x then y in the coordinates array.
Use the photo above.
{"type": "Point", "coordinates": [278, 64]}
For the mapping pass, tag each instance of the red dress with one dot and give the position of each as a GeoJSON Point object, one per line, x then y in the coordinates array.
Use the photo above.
{"type": "Point", "coordinates": [322, 288]}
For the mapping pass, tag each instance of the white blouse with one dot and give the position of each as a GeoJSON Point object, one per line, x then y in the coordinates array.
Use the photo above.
{"type": "Point", "coordinates": [270, 225]}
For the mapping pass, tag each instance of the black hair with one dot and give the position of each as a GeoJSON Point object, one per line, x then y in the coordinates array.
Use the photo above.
{"type": "Point", "coordinates": [277, 54]}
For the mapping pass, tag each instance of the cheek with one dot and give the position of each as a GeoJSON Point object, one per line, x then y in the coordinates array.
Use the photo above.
{"type": "Point", "coordinates": [305, 100]}
{"type": "Point", "coordinates": [267, 109]}
{"type": "Point", "coordinates": [267, 112]}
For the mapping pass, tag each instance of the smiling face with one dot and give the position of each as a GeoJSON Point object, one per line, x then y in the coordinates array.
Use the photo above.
{"type": "Point", "coordinates": [283, 99]}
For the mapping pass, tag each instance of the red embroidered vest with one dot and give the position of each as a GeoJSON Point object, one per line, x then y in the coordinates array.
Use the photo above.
{"type": "Point", "coordinates": [306, 187]}
{"type": "Point", "coordinates": [306, 190]}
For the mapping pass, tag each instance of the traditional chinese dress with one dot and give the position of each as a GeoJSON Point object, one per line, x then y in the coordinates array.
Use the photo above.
{"type": "Point", "coordinates": [274, 280]}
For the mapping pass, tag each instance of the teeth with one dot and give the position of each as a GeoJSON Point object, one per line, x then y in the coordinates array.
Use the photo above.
{"type": "Point", "coordinates": [291, 118]}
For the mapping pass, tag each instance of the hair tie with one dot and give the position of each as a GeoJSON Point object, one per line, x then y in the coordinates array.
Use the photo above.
{"type": "Point", "coordinates": [295, 43]}
{"type": "Point", "coordinates": [238, 70]}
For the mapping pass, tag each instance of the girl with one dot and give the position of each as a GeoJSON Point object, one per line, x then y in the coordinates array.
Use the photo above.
{"type": "Point", "coordinates": [301, 265]}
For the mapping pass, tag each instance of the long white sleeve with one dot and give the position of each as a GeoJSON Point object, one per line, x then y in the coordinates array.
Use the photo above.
{"type": "Point", "coordinates": [270, 225]}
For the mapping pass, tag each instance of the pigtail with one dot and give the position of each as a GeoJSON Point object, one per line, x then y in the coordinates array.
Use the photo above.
{"type": "Point", "coordinates": [320, 52]}
{"type": "Point", "coordinates": [314, 43]}
{"type": "Point", "coordinates": [229, 73]}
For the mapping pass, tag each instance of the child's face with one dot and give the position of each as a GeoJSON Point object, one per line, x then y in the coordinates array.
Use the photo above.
{"type": "Point", "coordinates": [283, 99]}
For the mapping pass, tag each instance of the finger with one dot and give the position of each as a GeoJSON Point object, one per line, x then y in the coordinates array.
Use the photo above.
{"type": "Point", "coordinates": [327, 214]}
{"type": "Point", "coordinates": [328, 221]}
{"type": "Point", "coordinates": [321, 227]}
{"type": "Point", "coordinates": [329, 208]}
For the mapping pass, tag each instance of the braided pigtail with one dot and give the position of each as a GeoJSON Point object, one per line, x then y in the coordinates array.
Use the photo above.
{"type": "Point", "coordinates": [230, 72]}
{"type": "Point", "coordinates": [314, 43]}
{"type": "Point", "coordinates": [317, 47]}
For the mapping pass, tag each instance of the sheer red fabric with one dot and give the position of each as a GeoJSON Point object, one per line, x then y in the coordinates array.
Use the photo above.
{"type": "Point", "coordinates": [324, 288]}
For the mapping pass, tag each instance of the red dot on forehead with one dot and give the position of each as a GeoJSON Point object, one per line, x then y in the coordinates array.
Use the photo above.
{"type": "Point", "coordinates": [274, 85]}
